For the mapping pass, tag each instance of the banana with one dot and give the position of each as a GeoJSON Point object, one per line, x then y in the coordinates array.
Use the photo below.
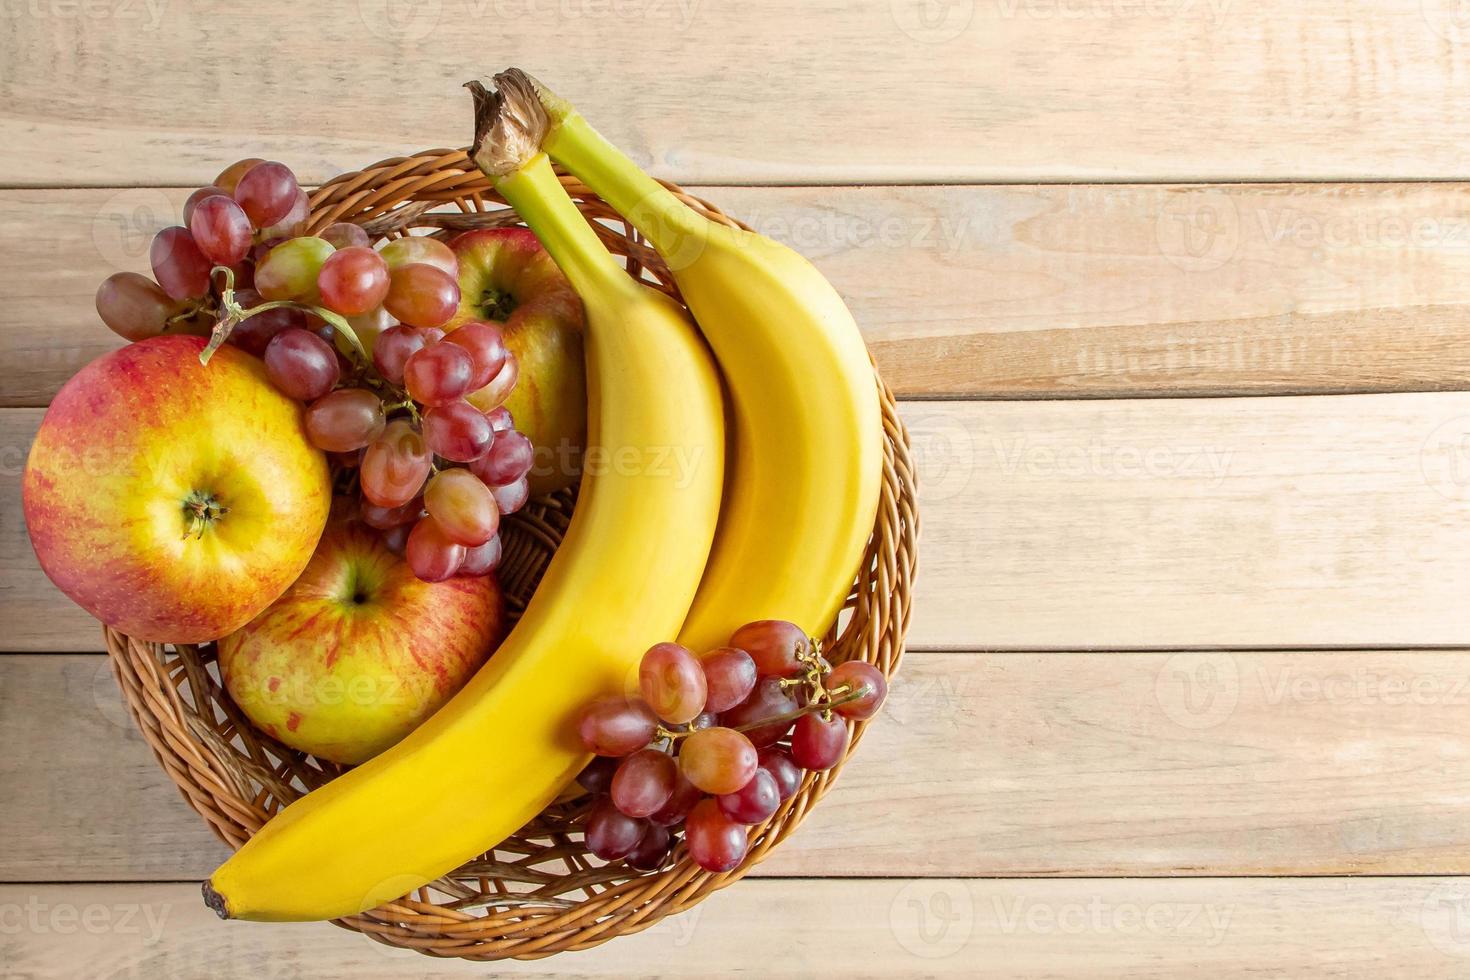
{"type": "Point", "coordinates": [807, 458]}
{"type": "Point", "coordinates": [623, 579]}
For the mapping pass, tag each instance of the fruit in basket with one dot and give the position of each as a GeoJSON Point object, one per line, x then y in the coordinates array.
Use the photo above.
{"type": "Point", "coordinates": [506, 277]}
{"type": "Point", "coordinates": [358, 651]}
{"type": "Point", "coordinates": [808, 432]}
{"type": "Point", "coordinates": [172, 500]}
{"type": "Point", "coordinates": [500, 750]}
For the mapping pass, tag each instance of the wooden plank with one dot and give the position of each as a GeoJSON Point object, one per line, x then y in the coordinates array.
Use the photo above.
{"type": "Point", "coordinates": [906, 90]}
{"type": "Point", "coordinates": [1377, 927]}
{"type": "Point", "coordinates": [1012, 292]}
{"type": "Point", "coordinates": [1339, 521]}
{"type": "Point", "coordinates": [1050, 764]}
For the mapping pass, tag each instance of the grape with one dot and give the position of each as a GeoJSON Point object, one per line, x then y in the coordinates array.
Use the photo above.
{"type": "Point", "coordinates": [430, 552]}
{"type": "Point", "coordinates": [198, 196]}
{"type": "Point", "coordinates": [178, 264]}
{"type": "Point", "coordinates": [500, 418]}
{"type": "Point", "coordinates": [705, 719]}
{"type": "Point", "coordinates": [370, 326]}
{"type": "Point", "coordinates": [717, 760]}
{"type": "Point", "coordinates": [353, 280]}
{"type": "Point", "coordinates": [512, 497]}
{"type": "Point", "coordinates": [384, 518]}
{"type": "Point", "coordinates": [787, 774]}
{"type": "Point", "coordinates": [610, 833]}
{"type": "Point", "coordinates": [413, 249]}
{"type": "Point", "coordinates": [244, 273]}
{"type": "Point", "coordinates": [301, 365]}
{"type": "Point", "coordinates": [345, 234]}
{"type": "Point", "coordinates": [859, 675]}
{"type": "Point", "coordinates": [482, 559]}
{"type": "Point", "coordinates": [671, 682]}
{"type": "Point", "coordinates": [458, 431]}
{"type": "Point", "coordinates": [221, 230]}
{"type": "Point", "coordinates": [510, 458]}
{"type": "Point", "coordinates": [616, 726]}
{"type": "Point", "coordinates": [290, 270]}
{"type": "Point", "coordinates": [729, 675]}
{"type": "Point", "coordinates": [768, 700]}
{"type": "Point", "coordinates": [294, 223]}
{"type": "Point", "coordinates": [396, 538]}
{"type": "Point", "coordinates": [597, 777]}
{"type": "Point", "coordinates": [395, 466]}
{"type": "Point", "coordinates": [393, 349]}
{"type": "Point", "coordinates": [255, 332]}
{"type": "Point", "coordinates": [135, 307]}
{"type": "Point", "coordinates": [267, 191]}
{"type": "Point", "coordinates": [716, 843]}
{"type": "Point", "coordinates": [774, 645]}
{"type": "Point", "coordinates": [486, 345]}
{"type": "Point", "coordinates": [755, 801]}
{"type": "Point", "coordinates": [421, 295]}
{"type": "Point", "coordinates": [345, 420]}
{"type": "Point", "coordinates": [229, 177]}
{"type": "Point", "coordinates": [818, 743]}
{"type": "Point", "coordinates": [644, 782]}
{"type": "Point", "coordinates": [439, 375]}
{"type": "Point", "coordinates": [462, 507]}
{"type": "Point", "coordinates": [681, 801]}
{"type": "Point", "coordinates": [652, 851]}
{"type": "Point", "coordinates": [498, 390]}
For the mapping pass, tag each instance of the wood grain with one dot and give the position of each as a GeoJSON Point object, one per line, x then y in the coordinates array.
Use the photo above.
{"type": "Point", "coordinates": [1042, 764]}
{"type": "Point", "coordinates": [891, 90]}
{"type": "Point", "coordinates": [997, 292]}
{"type": "Point", "coordinates": [1158, 929]}
{"type": "Point", "coordinates": [1339, 521]}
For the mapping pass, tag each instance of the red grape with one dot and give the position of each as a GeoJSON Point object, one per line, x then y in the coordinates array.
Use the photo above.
{"type": "Point", "coordinates": [481, 559]}
{"type": "Point", "coordinates": [729, 675]}
{"type": "Point", "coordinates": [290, 270]}
{"type": "Point", "coordinates": [421, 295]}
{"type": "Point", "coordinates": [301, 365]}
{"type": "Point", "coordinates": [353, 280]}
{"type": "Point", "coordinates": [254, 333]}
{"type": "Point", "coordinates": [500, 418]}
{"type": "Point", "coordinates": [486, 345]}
{"type": "Point", "coordinates": [685, 795]}
{"type": "Point", "coordinates": [396, 538]}
{"type": "Point", "coordinates": [393, 349]}
{"type": "Point", "coordinates": [755, 801]}
{"type": "Point", "coordinates": [439, 375]}
{"type": "Point", "coordinates": [178, 264]}
{"type": "Point", "coordinates": [198, 196]}
{"type": "Point", "coordinates": [510, 458]}
{"type": "Point", "coordinates": [716, 843]}
{"type": "Point", "coordinates": [652, 851]}
{"type": "Point", "coordinates": [293, 224]}
{"type": "Point", "coordinates": [644, 782]}
{"type": "Point", "coordinates": [597, 777]}
{"type": "Point", "coordinates": [768, 700]}
{"type": "Point", "coordinates": [499, 389]}
{"type": "Point", "coordinates": [135, 307]}
{"type": "Point", "coordinates": [221, 230]}
{"type": "Point", "coordinates": [395, 465]}
{"type": "Point", "coordinates": [817, 743]}
{"type": "Point", "coordinates": [345, 234]}
{"type": "Point", "coordinates": [859, 676]}
{"type": "Point", "coordinates": [610, 833]}
{"type": "Point", "coordinates": [414, 249]}
{"type": "Point", "coordinates": [774, 645]}
{"type": "Point", "coordinates": [462, 507]}
{"type": "Point", "coordinates": [229, 177]}
{"type": "Point", "coordinates": [345, 420]}
{"type": "Point", "coordinates": [787, 774]}
{"type": "Point", "coordinates": [458, 431]}
{"type": "Point", "coordinates": [370, 326]}
{"type": "Point", "coordinates": [671, 682]}
{"type": "Point", "coordinates": [384, 518]}
{"type": "Point", "coordinates": [717, 760]}
{"type": "Point", "coordinates": [512, 497]}
{"type": "Point", "coordinates": [266, 191]}
{"type": "Point", "coordinates": [616, 726]}
{"type": "Point", "coordinates": [431, 554]}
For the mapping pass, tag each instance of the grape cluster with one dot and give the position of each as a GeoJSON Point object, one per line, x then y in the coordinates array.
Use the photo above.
{"type": "Point", "coordinates": [716, 743]}
{"type": "Point", "coordinates": [355, 333]}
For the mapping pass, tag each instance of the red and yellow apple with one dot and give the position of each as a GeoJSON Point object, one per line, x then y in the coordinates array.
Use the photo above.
{"type": "Point", "coordinates": [174, 500]}
{"type": "Point", "coordinates": [507, 277]}
{"type": "Point", "coordinates": [359, 651]}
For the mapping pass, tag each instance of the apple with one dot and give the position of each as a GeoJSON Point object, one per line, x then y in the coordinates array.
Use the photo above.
{"type": "Point", "coordinates": [174, 500]}
{"type": "Point", "coordinates": [359, 651]}
{"type": "Point", "coordinates": [507, 277]}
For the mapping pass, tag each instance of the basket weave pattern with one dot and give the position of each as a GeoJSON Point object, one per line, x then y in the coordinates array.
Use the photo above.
{"type": "Point", "coordinates": [539, 892]}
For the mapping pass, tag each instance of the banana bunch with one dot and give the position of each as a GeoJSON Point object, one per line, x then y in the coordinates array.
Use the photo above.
{"type": "Point", "coordinates": [651, 552]}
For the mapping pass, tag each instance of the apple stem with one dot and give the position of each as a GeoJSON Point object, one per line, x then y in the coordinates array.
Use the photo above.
{"type": "Point", "coordinates": [201, 511]}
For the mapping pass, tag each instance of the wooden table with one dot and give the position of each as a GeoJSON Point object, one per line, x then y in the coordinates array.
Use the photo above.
{"type": "Point", "coordinates": [1176, 293]}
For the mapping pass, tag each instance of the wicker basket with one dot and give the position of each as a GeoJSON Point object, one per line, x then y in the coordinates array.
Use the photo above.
{"type": "Point", "coordinates": [540, 892]}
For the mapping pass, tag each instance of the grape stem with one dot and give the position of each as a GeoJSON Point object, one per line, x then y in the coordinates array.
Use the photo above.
{"type": "Point", "coordinates": [835, 698]}
{"type": "Point", "coordinates": [232, 313]}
